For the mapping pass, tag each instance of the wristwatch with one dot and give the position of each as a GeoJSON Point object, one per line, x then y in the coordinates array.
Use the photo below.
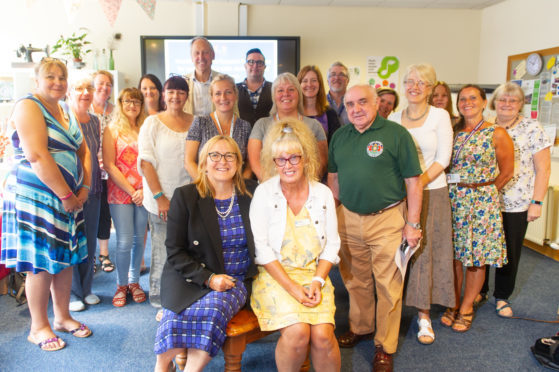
{"type": "Point", "coordinates": [415, 225]}
{"type": "Point", "coordinates": [537, 202]}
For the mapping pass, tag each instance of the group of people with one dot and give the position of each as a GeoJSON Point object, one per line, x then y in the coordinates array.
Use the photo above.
{"type": "Point", "coordinates": [343, 179]}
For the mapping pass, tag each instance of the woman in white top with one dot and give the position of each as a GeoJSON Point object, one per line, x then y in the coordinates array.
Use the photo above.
{"type": "Point", "coordinates": [161, 152]}
{"type": "Point", "coordinates": [431, 275]}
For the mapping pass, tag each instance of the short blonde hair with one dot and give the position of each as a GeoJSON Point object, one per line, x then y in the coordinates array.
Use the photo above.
{"type": "Point", "coordinates": [287, 77]}
{"type": "Point", "coordinates": [425, 72]}
{"type": "Point", "coordinates": [289, 135]}
{"type": "Point", "coordinates": [202, 182]}
{"type": "Point", "coordinates": [47, 63]}
{"type": "Point", "coordinates": [230, 80]}
{"type": "Point", "coordinates": [507, 89]}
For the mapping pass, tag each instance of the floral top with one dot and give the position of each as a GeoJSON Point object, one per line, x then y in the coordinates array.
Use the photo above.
{"type": "Point", "coordinates": [126, 150]}
{"type": "Point", "coordinates": [529, 138]}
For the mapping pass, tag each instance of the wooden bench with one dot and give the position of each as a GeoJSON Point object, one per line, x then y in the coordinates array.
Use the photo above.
{"type": "Point", "coordinates": [241, 330]}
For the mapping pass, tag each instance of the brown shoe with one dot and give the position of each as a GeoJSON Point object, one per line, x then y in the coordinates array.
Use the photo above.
{"type": "Point", "coordinates": [350, 339]}
{"type": "Point", "coordinates": [383, 362]}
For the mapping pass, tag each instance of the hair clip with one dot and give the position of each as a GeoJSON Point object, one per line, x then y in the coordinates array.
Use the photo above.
{"type": "Point", "coordinates": [287, 129]}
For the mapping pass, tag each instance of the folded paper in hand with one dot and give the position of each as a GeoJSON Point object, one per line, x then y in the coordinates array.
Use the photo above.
{"type": "Point", "coordinates": [403, 255]}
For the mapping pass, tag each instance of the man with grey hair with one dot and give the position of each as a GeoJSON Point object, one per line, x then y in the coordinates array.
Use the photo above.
{"type": "Point", "coordinates": [199, 101]}
{"type": "Point", "coordinates": [373, 171]}
{"type": "Point", "coordinates": [338, 78]}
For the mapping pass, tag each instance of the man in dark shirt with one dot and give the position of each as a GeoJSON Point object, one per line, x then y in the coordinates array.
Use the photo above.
{"type": "Point", "coordinates": [255, 93]}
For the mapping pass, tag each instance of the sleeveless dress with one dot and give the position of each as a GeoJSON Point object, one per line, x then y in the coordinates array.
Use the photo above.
{"type": "Point", "coordinates": [202, 325]}
{"type": "Point", "coordinates": [478, 236]}
{"type": "Point", "coordinates": [37, 234]}
{"type": "Point", "coordinates": [126, 156]}
{"type": "Point", "coordinates": [274, 307]}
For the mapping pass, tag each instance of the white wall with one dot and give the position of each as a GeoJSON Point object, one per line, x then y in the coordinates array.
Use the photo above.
{"type": "Point", "coordinates": [327, 33]}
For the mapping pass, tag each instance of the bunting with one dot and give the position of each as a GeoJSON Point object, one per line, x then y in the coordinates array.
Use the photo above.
{"type": "Point", "coordinates": [111, 8]}
{"type": "Point", "coordinates": [148, 6]}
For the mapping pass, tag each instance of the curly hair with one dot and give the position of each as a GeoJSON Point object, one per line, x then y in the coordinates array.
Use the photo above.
{"type": "Point", "coordinates": [290, 135]}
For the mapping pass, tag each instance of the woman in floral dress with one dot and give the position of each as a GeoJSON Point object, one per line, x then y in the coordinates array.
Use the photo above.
{"type": "Point", "coordinates": [482, 163]}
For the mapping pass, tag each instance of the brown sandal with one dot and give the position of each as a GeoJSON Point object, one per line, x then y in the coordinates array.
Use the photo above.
{"type": "Point", "coordinates": [463, 320]}
{"type": "Point", "coordinates": [138, 294]}
{"type": "Point", "coordinates": [449, 317]}
{"type": "Point", "coordinates": [119, 300]}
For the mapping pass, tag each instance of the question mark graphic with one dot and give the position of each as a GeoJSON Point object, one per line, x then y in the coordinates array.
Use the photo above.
{"type": "Point", "coordinates": [388, 66]}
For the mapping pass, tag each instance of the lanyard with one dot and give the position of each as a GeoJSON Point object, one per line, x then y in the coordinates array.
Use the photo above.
{"type": "Point", "coordinates": [219, 125]}
{"type": "Point", "coordinates": [455, 160]}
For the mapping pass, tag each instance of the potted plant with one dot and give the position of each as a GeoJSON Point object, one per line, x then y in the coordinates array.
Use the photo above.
{"type": "Point", "coordinates": [74, 46]}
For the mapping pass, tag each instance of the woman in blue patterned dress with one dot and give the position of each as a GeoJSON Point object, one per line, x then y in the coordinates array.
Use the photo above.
{"type": "Point", "coordinates": [482, 163]}
{"type": "Point", "coordinates": [43, 231]}
{"type": "Point", "coordinates": [210, 258]}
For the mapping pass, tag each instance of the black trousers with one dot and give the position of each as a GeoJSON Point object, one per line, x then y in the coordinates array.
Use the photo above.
{"type": "Point", "coordinates": [514, 225]}
{"type": "Point", "coordinates": [104, 229]}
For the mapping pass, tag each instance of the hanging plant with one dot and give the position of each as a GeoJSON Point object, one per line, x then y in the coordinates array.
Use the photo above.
{"type": "Point", "coordinates": [74, 46]}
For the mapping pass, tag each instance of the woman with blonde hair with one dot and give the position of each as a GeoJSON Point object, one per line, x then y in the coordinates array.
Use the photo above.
{"type": "Point", "coordinates": [224, 120]}
{"type": "Point", "coordinates": [125, 193]}
{"type": "Point", "coordinates": [287, 96]}
{"type": "Point", "coordinates": [431, 277]}
{"type": "Point", "coordinates": [210, 258]}
{"type": "Point", "coordinates": [42, 218]}
{"type": "Point", "coordinates": [314, 100]}
{"type": "Point", "coordinates": [295, 229]}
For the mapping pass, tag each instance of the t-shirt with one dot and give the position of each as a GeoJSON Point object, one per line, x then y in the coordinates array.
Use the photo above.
{"type": "Point", "coordinates": [372, 165]}
{"type": "Point", "coordinates": [262, 126]}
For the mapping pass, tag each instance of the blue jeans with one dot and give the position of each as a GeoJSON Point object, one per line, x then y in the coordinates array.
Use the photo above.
{"type": "Point", "coordinates": [83, 273]}
{"type": "Point", "coordinates": [130, 224]}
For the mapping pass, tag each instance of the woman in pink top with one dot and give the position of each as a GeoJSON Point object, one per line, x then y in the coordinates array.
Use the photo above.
{"type": "Point", "coordinates": [125, 195]}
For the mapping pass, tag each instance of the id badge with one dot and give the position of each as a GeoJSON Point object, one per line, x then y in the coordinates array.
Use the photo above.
{"type": "Point", "coordinates": [301, 223]}
{"type": "Point", "coordinates": [453, 178]}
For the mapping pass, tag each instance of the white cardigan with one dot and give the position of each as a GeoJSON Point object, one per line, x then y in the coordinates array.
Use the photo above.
{"type": "Point", "coordinates": [268, 217]}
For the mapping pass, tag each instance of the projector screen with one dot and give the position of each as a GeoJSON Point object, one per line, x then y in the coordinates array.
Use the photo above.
{"type": "Point", "coordinates": [166, 55]}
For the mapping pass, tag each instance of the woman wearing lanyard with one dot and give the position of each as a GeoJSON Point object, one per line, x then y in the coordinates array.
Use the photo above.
{"type": "Point", "coordinates": [288, 103]}
{"type": "Point", "coordinates": [482, 163]}
{"type": "Point", "coordinates": [224, 121]}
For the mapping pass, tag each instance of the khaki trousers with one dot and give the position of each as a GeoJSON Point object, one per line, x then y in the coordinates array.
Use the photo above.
{"type": "Point", "coordinates": [368, 247]}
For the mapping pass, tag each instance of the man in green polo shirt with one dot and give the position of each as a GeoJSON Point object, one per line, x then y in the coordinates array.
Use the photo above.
{"type": "Point", "coordinates": [373, 171]}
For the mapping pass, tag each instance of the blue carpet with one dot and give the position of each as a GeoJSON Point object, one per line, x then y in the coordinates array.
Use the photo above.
{"type": "Point", "coordinates": [123, 337]}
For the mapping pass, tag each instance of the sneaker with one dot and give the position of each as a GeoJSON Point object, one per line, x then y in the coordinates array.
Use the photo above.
{"type": "Point", "coordinates": [92, 299]}
{"type": "Point", "coordinates": [76, 306]}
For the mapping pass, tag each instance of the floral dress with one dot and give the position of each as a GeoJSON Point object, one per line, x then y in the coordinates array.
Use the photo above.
{"type": "Point", "coordinates": [476, 218]}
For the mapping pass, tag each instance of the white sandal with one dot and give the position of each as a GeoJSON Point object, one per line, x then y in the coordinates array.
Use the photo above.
{"type": "Point", "coordinates": [425, 330]}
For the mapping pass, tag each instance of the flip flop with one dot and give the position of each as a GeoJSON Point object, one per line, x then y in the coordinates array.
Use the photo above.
{"type": "Point", "coordinates": [73, 332]}
{"type": "Point", "coordinates": [49, 341]}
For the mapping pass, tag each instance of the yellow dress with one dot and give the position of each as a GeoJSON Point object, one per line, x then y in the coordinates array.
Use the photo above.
{"type": "Point", "coordinates": [273, 306]}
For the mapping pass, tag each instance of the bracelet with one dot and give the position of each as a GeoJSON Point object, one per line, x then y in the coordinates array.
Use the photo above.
{"type": "Point", "coordinates": [158, 195]}
{"type": "Point", "coordinates": [537, 202]}
{"type": "Point", "coordinates": [320, 280]}
{"type": "Point", "coordinates": [210, 279]}
{"type": "Point", "coordinates": [66, 197]}
{"type": "Point", "coordinates": [85, 187]}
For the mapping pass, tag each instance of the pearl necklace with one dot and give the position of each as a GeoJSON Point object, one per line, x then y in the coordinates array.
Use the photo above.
{"type": "Point", "coordinates": [226, 213]}
{"type": "Point", "coordinates": [419, 117]}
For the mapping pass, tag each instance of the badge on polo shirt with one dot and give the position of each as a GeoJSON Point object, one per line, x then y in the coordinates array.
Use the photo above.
{"type": "Point", "coordinates": [374, 149]}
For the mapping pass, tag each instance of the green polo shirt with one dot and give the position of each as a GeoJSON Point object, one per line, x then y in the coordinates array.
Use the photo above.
{"type": "Point", "coordinates": [372, 165]}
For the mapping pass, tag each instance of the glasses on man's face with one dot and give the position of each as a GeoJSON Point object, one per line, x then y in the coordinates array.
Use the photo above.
{"type": "Point", "coordinates": [507, 101]}
{"type": "Point", "coordinates": [132, 102]}
{"type": "Point", "coordinates": [412, 83]}
{"type": "Point", "coordinates": [258, 63]}
{"type": "Point", "coordinates": [217, 156]}
{"type": "Point", "coordinates": [81, 90]}
{"type": "Point", "coordinates": [340, 75]}
{"type": "Point", "coordinates": [293, 160]}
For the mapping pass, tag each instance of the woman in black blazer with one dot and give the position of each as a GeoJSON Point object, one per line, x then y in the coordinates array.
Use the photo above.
{"type": "Point", "coordinates": [210, 258]}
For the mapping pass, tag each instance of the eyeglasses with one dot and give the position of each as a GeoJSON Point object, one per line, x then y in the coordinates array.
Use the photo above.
{"type": "Point", "coordinates": [132, 102]}
{"type": "Point", "coordinates": [420, 83]}
{"type": "Point", "coordinates": [258, 63]}
{"type": "Point", "coordinates": [293, 160]}
{"type": "Point", "coordinates": [216, 156]}
{"type": "Point", "coordinates": [83, 89]}
{"type": "Point", "coordinates": [508, 101]}
{"type": "Point", "coordinates": [335, 75]}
